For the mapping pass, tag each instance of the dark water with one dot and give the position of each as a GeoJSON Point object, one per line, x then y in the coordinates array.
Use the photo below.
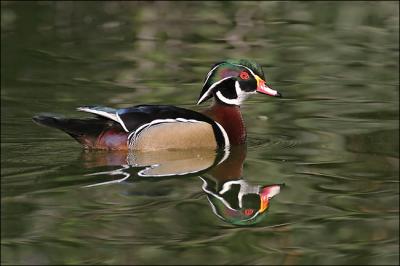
{"type": "Point", "coordinates": [332, 140]}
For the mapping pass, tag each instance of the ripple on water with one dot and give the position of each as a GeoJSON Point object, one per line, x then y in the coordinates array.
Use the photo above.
{"type": "Point", "coordinates": [272, 141]}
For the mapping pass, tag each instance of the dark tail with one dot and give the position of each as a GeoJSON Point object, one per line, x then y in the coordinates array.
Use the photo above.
{"type": "Point", "coordinates": [85, 131]}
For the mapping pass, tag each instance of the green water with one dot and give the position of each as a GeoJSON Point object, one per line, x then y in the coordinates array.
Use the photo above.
{"type": "Point", "coordinates": [332, 140]}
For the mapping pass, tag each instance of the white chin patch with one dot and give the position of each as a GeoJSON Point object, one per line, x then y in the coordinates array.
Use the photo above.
{"type": "Point", "coordinates": [241, 96]}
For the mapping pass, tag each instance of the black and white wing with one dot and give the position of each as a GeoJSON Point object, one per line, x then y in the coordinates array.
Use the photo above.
{"type": "Point", "coordinates": [136, 118]}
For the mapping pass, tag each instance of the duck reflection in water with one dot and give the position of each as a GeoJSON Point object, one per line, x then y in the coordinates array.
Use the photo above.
{"type": "Point", "coordinates": [232, 198]}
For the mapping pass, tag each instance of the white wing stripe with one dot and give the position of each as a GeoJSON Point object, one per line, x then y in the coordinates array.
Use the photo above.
{"type": "Point", "coordinates": [113, 116]}
{"type": "Point", "coordinates": [100, 113]}
{"type": "Point", "coordinates": [121, 122]}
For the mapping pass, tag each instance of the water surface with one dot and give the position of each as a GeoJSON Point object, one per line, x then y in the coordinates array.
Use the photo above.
{"type": "Point", "coordinates": [331, 144]}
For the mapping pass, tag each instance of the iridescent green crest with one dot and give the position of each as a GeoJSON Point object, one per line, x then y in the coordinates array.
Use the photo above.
{"type": "Point", "coordinates": [225, 70]}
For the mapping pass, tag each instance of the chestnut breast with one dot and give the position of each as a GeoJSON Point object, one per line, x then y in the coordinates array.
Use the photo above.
{"type": "Point", "coordinates": [230, 118]}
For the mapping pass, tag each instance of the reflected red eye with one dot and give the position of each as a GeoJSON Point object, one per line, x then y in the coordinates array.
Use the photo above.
{"type": "Point", "coordinates": [248, 212]}
{"type": "Point", "coordinates": [244, 75]}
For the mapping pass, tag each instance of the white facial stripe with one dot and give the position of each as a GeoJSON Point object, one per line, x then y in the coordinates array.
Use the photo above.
{"type": "Point", "coordinates": [208, 76]}
{"type": "Point", "coordinates": [251, 71]}
{"type": "Point", "coordinates": [210, 89]}
{"type": "Point", "coordinates": [215, 209]}
{"type": "Point", "coordinates": [210, 72]}
{"type": "Point", "coordinates": [241, 95]}
{"type": "Point", "coordinates": [222, 98]}
{"type": "Point", "coordinates": [226, 186]}
{"type": "Point", "coordinates": [226, 100]}
{"type": "Point", "coordinates": [238, 89]}
{"type": "Point", "coordinates": [244, 189]}
{"type": "Point", "coordinates": [204, 187]}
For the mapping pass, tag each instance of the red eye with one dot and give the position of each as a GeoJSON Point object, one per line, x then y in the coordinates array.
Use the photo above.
{"type": "Point", "coordinates": [248, 212]}
{"type": "Point", "coordinates": [244, 75]}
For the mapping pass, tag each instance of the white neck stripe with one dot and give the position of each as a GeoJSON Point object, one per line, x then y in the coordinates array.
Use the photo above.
{"type": "Point", "coordinates": [241, 96]}
{"type": "Point", "coordinates": [226, 100]}
{"type": "Point", "coordinates": [222, 98]}
{"type": "Point", "coordinates": [204, 187]}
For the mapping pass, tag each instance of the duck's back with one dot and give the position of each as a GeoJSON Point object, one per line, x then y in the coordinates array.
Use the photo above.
{"type": "Point", "coordinates": [142, 127]}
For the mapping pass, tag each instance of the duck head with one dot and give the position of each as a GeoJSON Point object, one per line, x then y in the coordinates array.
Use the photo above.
{"type": "Point", "coordinates": [239, 202]}
{"type": "Point", "coordinates": [232, 81]}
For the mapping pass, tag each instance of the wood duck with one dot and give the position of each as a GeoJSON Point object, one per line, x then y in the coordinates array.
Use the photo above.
{"type": "Point", "coordinates": [238, 201]}
{"type": "Point", "coordinates": [231, 197]}
{"type": "Point", "coordinates": [156, 127]}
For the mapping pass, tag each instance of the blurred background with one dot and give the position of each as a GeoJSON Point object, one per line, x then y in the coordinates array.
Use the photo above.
{"type": "Point", "coordinates": [333, 138]}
